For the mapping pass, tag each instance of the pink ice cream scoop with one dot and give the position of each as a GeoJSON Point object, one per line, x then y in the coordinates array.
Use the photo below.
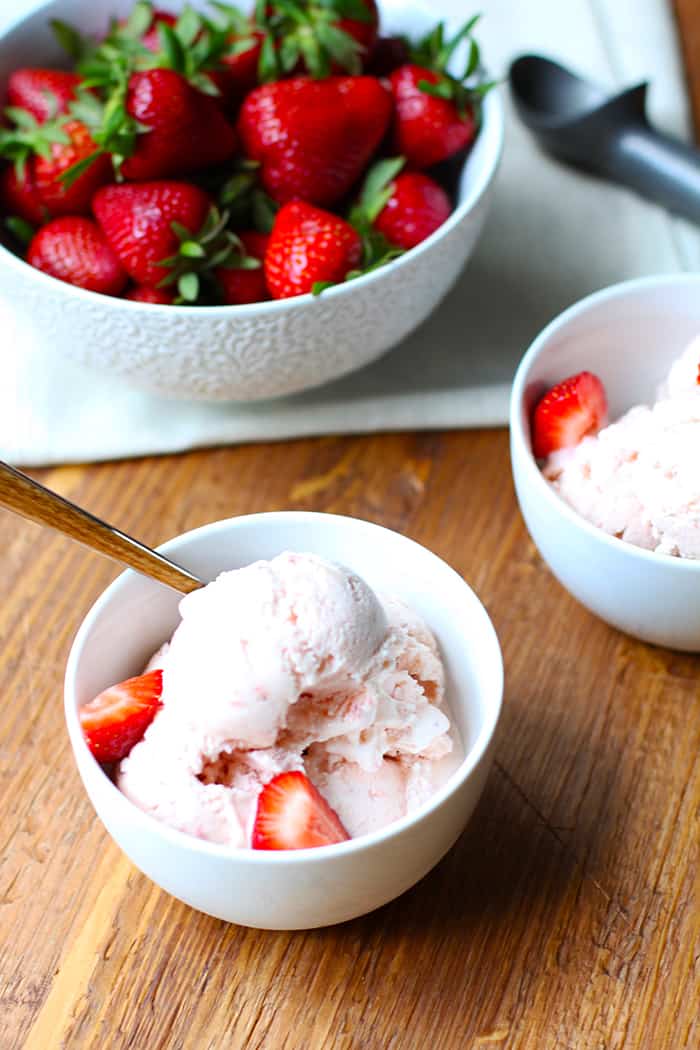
{"type": "Point", "coordinates": [292, 664]}
{"type": "Point", "coordinates": [638, 478]}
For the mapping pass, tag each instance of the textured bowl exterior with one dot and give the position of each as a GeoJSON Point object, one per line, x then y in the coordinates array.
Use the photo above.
{"type": "Point", "coordinates": [251, 352]}
{"type": "Point", "coordinates": [629, 335]}
{"type": "Point", "coordinates": [297, 889]}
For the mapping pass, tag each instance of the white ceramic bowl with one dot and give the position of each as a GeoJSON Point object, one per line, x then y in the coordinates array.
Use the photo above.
{"type": "Point", "coordinates": [629, 335]}
{"type": "Point", "coordinates": [262, 350]}
{"type": "Point", "coordinates": [313, 887]}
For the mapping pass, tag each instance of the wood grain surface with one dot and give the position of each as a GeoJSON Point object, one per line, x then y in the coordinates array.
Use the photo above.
{"type": "Point", "coordinates": [566, 917]}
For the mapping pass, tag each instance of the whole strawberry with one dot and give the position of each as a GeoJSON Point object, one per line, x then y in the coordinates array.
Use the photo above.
{"type": "Point", "coordinates": [403, 207]}
{"type": "Point", "coordinates": [74, 249]}
{"type": "Point", "coordinates": [168, 236]}
{"type": "Point", "coordinates": [435, 114]}
{"type": "Point", "coordinates": [37, 187]}
{"type": "Point", "coordinates": [44, 93]}
{"type": "Point", "coordinates": [416, 208]}
{"type": "Point", "coordinates": [137, 220]}
{"type": "Point", "coordinates": [309, 246]}
{"type": "Point", "coordinates": [427, 128]}
{"type": "Point", "coordinates": [244, 282]}
{"type": "Point", "coordinates": [314, 138]}
{"type": "Point", "coordinates": [186, 129]}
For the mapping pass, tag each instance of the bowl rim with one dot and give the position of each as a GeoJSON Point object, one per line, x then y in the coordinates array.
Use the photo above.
{"type": "Point", "coordinates": [492, 116]}
{"type": "Point", "coordinates": [521, 446]}
{"type": "Point", "coordinates": [180, 839]}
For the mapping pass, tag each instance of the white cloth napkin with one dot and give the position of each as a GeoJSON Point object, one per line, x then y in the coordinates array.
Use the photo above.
{"type": "Point", "coordinates": [553, 236]}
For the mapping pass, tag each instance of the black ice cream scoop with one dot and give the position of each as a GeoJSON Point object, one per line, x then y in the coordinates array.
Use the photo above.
{"type": "Point", "coordinates": [610, 136]}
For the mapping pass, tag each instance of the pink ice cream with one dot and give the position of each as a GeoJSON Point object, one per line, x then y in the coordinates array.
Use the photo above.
{"type": "Point", "coordinates": [292, 664]}
{"type": "Point", "coordinates": [638, 478]}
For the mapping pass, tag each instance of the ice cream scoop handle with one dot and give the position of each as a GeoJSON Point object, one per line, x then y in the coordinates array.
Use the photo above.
{"type": "Point", "coordinates": [657, 166]}
{"type": "Point", "coordinates": [27, 497]}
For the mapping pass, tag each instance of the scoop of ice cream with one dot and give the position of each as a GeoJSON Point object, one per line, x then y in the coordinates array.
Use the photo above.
{"type": "Point", "coordinates": [638, 479]}
{"type": "Point", "coordinates": [277, 662]}
{"type": "Point", "coordinates": [257, 638]}
{"type": "Point", "coordinates": [367, 800]}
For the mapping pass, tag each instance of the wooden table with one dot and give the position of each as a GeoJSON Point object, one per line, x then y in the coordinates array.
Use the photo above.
{"type": "Point", "coordinates": [564, 919]}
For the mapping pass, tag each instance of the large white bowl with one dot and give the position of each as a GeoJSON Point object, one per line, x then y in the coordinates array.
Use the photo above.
{"type": "Point", "coordinates": [312, 887]}
{"type": "Point", "coordinates": [629, 335]}
{"type": "Point", "coordinates": [261, 350]}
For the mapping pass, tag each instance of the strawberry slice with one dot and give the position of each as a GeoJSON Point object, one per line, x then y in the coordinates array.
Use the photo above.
{"type": "Point", "coordinates": [567, 413]}
{"type": "Point", "coordinates": [117, 719]}
{"type": "Point", "coordinates": [292, 814]}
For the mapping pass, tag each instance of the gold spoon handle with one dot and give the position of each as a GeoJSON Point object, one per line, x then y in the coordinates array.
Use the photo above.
{"type": "Point", "coordinates": [27, 497]}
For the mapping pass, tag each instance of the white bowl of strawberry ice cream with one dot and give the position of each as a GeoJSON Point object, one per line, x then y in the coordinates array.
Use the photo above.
{"type": "Point", "coordinates": [605, 440]}
{"type": "Point", "coordinates": [288, 746]}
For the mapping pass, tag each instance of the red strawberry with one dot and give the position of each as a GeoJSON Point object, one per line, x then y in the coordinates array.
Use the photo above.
{"type": "Point", "coordinates": [241, 285]}
{"type": "Point", "coordinates": [567, 413]}
{"type": "Point", "coordinates": [416, 208]}
{"type": "Point", "coordinates": [40, 193]}
{"type": "Point", "coordinates": [239, 72]}
{"type": "Point", "coordinates": [292, 814]}
{"type": "Point", "coordinates": [62, 199]}
{"type": "Point", "coordinates": [75, 250]}
{"type": "Point", "coordinates": [42, 92]}
{"type": "Point", "coordinates": [151, 38]}
{"type": "Point", "coordinates": [137, 220]}
{"type": "Point", "coordinates": [309, 246]}
{"type": "Point", "coordinates": [187, 129]}
{"type": "Point", "coordinates": [427, 129]}
{"type": "Point", "coordinates": [147, 293]}
{"type": "Point", "coordinates": [314, 138]}
{"type": "Point", "coordinates": [116, 720]}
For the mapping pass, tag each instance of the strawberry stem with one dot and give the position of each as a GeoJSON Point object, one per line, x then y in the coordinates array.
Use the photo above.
{"type": "Point", "coordinates": [309, 30]}
{"type": "Point", "coordinates": [199, 255]}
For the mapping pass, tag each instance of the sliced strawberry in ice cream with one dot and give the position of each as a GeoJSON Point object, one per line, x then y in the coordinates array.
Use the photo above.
{"type": "Point", "coordinates": [117, 719]}
{"type": "Point", "coordinates": [567, 413]}
{"type": "Point", "coordinates": [292, 814]}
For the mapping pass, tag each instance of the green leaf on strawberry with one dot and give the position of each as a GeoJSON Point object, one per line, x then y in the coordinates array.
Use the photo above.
{"type": "Point", "coordinates": [376, 191]}
{"type": "Point", "coordinates": [242, 197]}
{"type": "Point", "coordinates": [435, 52]}
{"type": "Point", "coordinates": [29, 138]}
{"type": "Point", "coordinates": [326, 35]}
{"type": "Point", "coordinates": [235, 21]}
{"type": "Point", "coordinates": [197, 256]}
{"type": "Point", "coordinates": [20, 230]}
{"type": "Point", "coordinates": [69, 39]}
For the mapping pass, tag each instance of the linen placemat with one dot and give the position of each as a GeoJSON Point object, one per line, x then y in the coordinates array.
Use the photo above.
{"type": "Point", "coordinates": [553, 235]}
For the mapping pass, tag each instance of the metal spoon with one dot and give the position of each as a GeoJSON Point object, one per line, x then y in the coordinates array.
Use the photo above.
{"type": "Point", "coordinates": [608, 135]}
{"type": "Point", "coordinates": [27, 497]}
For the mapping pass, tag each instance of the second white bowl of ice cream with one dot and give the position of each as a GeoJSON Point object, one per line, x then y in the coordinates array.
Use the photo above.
{"type": "Point", "coordinates": [620, 524]}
